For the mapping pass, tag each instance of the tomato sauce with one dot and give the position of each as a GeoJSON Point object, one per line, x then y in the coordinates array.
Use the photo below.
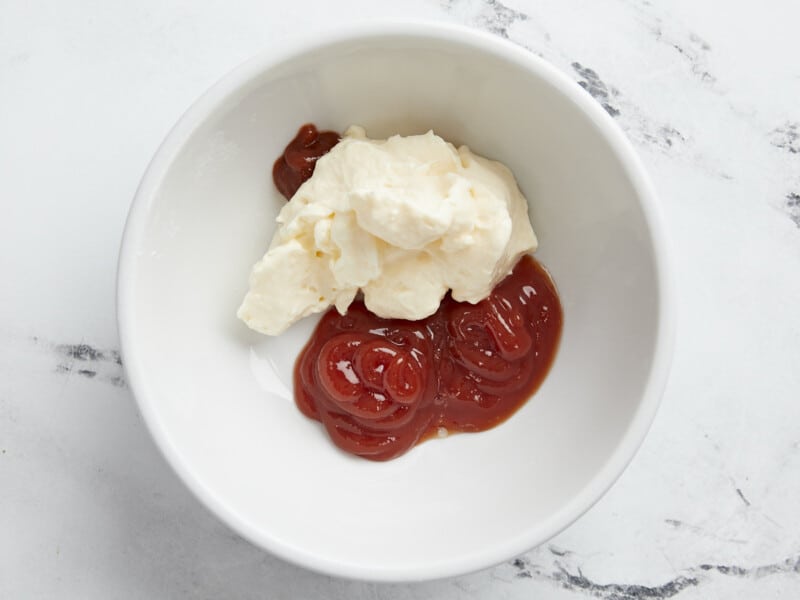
{"type": "Point", "coordinates": [380, 386]}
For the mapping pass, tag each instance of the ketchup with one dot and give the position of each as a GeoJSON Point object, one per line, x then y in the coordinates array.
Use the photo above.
{"type": "Point", "coordinates": [380, 386]}
{"type": "Point", "coordinates": [297, 162]}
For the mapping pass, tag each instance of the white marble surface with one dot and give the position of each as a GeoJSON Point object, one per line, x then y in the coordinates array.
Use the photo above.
{"type": "Point", "coordinates": [709, 92]}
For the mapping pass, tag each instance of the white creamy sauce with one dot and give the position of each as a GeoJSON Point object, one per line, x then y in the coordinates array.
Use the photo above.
{"type": "Point", "coordinates": [403, 220]}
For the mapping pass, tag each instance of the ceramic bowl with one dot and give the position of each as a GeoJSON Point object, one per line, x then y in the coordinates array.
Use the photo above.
{"type": "Point", "coordinates": [217, 397]}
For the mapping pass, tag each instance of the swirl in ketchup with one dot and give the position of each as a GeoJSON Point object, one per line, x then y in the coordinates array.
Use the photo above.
{"type": "Point", "coordinates": [380, 386]}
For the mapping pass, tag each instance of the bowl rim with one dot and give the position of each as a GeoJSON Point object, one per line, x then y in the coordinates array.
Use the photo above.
{"type": "Point", "coordinates": [213, 98]}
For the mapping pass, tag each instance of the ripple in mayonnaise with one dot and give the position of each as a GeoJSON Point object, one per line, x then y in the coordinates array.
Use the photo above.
{"type": "Point", "coordinates": [404, 220]}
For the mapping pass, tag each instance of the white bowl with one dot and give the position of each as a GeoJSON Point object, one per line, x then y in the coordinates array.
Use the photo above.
{"type": "Point", "coordinates": [217, 397]}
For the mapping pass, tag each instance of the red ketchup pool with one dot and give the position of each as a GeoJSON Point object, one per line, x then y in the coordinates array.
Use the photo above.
{"type": "Point", "coordinates": [380, 386]}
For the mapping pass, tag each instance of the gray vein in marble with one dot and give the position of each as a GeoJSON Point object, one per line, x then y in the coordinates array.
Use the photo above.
{"type": "Point", "coordinates": [695, 56]}
{"type": "Point", "coordinates": [665, 137]}
{"type": "Point", "coordinates": [793, 207]}
{"type": "Point", "coordinates": [574, 579]}
{"type": "Point", "coordinates": [701, 532]}
{"type": "Point", "coordinates": [787, 137]}
{"type": "Point", "coordinates": [641, 129]}
{"type": "Point", "coordinates": [495, 17]}
{"type": "Point", "coordinates": [741, 495]}
{"type": "Point", "coordinates": [85, 352]}
{"type": "Point", "coordinates": [88, 362]}
{"type": "Point", "coordinates": [690, 46]}
{"type": "Point", "coordinates": [591, 82]}
{"type": "Point", "coordinates": [500, 17]}
{"type": "Point", "coordinates": [790, 565]}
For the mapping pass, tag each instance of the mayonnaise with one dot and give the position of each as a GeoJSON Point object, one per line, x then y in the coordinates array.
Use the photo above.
{"type": "Point", "coordinates": [403, 220]}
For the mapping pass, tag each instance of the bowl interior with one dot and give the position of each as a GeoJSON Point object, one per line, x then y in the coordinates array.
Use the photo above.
{"type": "Point", "coordinates": [219, 397]}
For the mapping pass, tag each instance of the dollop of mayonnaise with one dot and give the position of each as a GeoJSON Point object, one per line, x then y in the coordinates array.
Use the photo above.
{"type": "Point", "coordinates": [404, 220]}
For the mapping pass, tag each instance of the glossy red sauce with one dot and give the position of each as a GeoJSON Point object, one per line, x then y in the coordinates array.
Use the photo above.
{"type": "Point", "coordinates": [380, 386]}
{"type": "Point", "coordinates": [297, 162]}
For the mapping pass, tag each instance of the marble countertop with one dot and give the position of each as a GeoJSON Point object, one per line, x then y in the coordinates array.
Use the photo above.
{"type": "Point", "coordinates": [711, 100]}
